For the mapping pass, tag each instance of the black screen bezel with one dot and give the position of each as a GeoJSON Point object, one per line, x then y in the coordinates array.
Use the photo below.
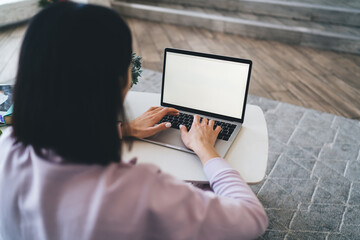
{"type": "Point", "coordinates": [206, 55]}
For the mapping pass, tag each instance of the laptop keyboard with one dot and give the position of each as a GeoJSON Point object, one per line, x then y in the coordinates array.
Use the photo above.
{"type": "Point", "coordinates": [186, 119]}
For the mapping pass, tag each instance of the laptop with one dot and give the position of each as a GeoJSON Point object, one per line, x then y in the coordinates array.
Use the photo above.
{"type": "Point", "coordinates": [211, 86]}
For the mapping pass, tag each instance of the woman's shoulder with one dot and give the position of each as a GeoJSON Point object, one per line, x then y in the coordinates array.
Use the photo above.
{"type": "Point", "coordinates": [142, 174]}
{"type": "Point", "coordinates": [133, 169]}
{"type": "Point", "coordinates": [147, 167]}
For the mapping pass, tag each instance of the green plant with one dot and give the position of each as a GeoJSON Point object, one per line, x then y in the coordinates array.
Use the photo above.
{"type": "Point", "coordinates": [136, 69]}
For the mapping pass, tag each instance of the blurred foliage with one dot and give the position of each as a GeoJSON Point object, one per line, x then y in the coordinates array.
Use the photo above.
{"type": "Point", "coordinates": [136, 68]}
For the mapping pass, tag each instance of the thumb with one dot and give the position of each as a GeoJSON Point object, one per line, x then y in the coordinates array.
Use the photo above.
{"type": "Point", "coordinates": [183, 129]}
{"type": "Point", "coordinates": [184, 134]}
{"type": "Point", "coordinates": [160, 127]}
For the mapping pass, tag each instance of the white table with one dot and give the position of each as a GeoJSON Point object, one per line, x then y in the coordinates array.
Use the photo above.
{"type": "Point", "coordinates": [248, 154]}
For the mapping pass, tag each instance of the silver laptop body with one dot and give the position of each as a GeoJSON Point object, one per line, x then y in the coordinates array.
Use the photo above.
{"type": "Point", "coordinates": [211, 86]}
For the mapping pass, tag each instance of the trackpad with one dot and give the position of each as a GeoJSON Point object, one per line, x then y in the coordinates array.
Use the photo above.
{"type": "Point", "coordinates": [171, 138]}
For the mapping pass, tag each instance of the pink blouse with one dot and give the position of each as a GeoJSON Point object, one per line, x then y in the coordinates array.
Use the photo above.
{"type": "Point", "coordinates": [42, 199]}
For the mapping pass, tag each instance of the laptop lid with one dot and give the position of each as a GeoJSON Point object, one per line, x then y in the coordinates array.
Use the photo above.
{"type": "Point", "coordinates": [206, 84]}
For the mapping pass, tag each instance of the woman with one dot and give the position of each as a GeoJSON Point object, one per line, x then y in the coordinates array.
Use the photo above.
{"type": "Point", "coordinates": [61, 173]}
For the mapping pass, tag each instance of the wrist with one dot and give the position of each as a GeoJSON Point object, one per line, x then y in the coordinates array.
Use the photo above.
{"type": "Point", "coordinates": [129, 130]}
{"type": "Point", "coordinates": [205, 153]}
{"type": "Point", "coordinates": [125, 130]}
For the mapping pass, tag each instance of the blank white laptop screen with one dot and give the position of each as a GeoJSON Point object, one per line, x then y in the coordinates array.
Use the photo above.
{"type": "Point", "coordinates": [206, 84]}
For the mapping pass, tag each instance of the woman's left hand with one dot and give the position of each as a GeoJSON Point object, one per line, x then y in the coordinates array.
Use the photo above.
{"type": "Point", "coordinates": [144, 125]}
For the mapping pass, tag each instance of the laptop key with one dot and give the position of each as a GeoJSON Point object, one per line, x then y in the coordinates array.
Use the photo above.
{"type": "Point", "coordinates": [226, 137]}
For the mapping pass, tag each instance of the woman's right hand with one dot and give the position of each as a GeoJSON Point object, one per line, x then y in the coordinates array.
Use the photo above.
{"type": "Point", "coordinates": [145, 125]}
{"type": "Point", "coordinates": [201, 138]}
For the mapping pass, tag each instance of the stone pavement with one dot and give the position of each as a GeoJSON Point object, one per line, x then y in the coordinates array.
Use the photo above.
{"type": "Point", "coordinates": [312, 188]}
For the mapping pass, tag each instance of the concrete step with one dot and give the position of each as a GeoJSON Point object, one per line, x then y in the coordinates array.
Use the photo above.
{"type": "Point", "coordinates": [325, 36]}
{"type": "Point", "coordinates": [12, 12]}
{"type": "Point", "coordinates": [332, 11]}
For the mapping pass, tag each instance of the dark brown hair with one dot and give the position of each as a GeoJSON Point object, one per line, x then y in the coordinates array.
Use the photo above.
{"type": "Point", "coordinates": [72, 71]}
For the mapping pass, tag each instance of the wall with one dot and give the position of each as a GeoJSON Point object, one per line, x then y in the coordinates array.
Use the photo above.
{"type": "Point", "coordinates": [16, 11]}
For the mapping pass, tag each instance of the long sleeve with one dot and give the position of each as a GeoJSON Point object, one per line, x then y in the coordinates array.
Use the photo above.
{"type": "Point", "coordinates": [231, 212]}
{"type": "Point", "coordinates": [227, 182]}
